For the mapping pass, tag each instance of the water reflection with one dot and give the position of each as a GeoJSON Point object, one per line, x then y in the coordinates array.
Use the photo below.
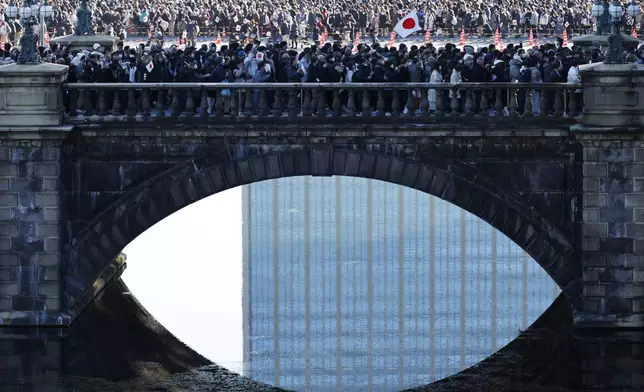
{"type": "Point", "coordinates": [366, 285]}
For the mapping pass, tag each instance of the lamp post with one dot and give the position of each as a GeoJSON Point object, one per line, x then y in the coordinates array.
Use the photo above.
{"type": "Point", "coordinates": [29, 12]}
{"type": "Point", "coordinates": [598, 11]}
{"type": "Point", "coordinates": [615, 39]}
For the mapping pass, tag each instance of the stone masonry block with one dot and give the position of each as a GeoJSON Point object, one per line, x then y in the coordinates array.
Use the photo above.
{"type": "Point", "coordinates": [638, 185]}
{"type": "Point", "coordinates": [595, 230]}
{"type": "Point", "coordinates": [637, 305]}
{"type": "Point", "coordinates": [625, 260]}
{"type": "Point", "coordinates": [47, 229]}
{"type": "Point", "coordinates": [591, 244]}
{"type": "Point", "coordinates": [634, 200]}
{"type": "Point", "coordinates": [591, 185]}
{"type": "Point", "coordinates": [595, 170]}
{"type": "Point", "coordinates": [47, 199]}
{"type": "Point", "coordinates": [635, 230]}
{"type": "Point", "coordinates": [591, 154]}
{"type": "Point", "coordinates": [594, 260]}
{"type": "Point", "coordinates": [591, 214]}
{"type": "Point", "coordinates": [8, 199]}
{"type": "Point", "coordinates": [46, 169]}
{"type": "Point", "coordinates": [8, 169]}
{"type": "Point", "coordinates": [592, 304]}
{"type": "Point", "coordinates": [638, 245]}
{"type": "Point", "coordinates": [51, 214]}
{"type": "Point", "coordinates": [635, 170]}
{"type": "Point", "coordinates": [49, 259]}
{"type": "Point", "coordinates": [5, 243]}
{"type": "Point", "coordinates": [638, 275]}
{"type": "Point", "coordinates": [624, 290]}
{"type": "Point", "coordinates": [51, 184]}
{"type": "Point", "coordinates": [591, 275]}
{"type": "Point", "coordinates": [49, 290]}
{"type": "Point", "coordinates": [638, 215]}
{"type": "Point", "coordinates": [52, 245]}
{"type": "Point", "coordinates": [639, 155]}
{"type": "Point", "coordinates": [595, 200]}
{"type": "Point", "coordinates": [51, 154]}
{"type": "Point", "coordinates": [594, 290]}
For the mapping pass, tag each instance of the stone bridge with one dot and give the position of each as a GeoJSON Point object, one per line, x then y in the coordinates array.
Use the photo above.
{"type": "Point", "coordinates": [86, 168]}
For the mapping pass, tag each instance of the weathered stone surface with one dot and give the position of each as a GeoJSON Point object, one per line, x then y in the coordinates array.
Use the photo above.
{"type": "Point", "coordinates": [116, 184]}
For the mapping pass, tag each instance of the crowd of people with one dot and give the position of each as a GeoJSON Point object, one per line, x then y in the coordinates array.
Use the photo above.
{"type": "Point", "coordinates": [240, 62]}
{"type": "Point", "coordinates": [306, 19]}
{"type": "Point", "coordinates": [250, 59]}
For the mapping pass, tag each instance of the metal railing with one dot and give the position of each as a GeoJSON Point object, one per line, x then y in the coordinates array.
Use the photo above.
{"type": "Point", "coordinates": [417, 102]}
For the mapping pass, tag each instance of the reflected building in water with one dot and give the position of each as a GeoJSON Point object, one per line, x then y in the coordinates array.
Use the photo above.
{"type": "Point", "coordinates": [368, 286]}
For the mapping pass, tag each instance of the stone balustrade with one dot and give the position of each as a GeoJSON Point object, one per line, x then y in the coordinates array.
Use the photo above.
{"type": "Point", "coordinates": [419, 102]}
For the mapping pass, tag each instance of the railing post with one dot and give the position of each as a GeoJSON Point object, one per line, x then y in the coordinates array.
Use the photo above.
{"type": "Point", "coordinates": [30, 95]}
{"type": "Point", "coordinates": [203, 105]}
{"type": "Point", "coordinates": [351, 104]}
{"type": "Point", "coordinates": [395, 103]}
{"type": "Point", "coordinates": [277, 106]}
{"type": "Point", "coordinates": [307, 110]}
{"type": "Point", "coordinates": [292, 103]}
{"type": "Point", "coordinates": [366, 103]}
{"type": "Point", "coordinates": [380, 105]}
{"type": "Point", "coordinates": [454, 104]}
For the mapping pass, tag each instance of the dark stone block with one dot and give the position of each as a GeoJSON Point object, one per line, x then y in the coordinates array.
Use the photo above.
{"type": "Point", "coordinates": [288, 164]}
{"type": "Point", "coordinates": [615, 200]}
{"type": "Point", "coordinates": [616, 214]}
{"type": "Point", "coordinates": [32, 154]}
{"type": "Point", "coordinates": [382, 167]}
{"type": "Point", "coordinates": [273, 166]}
{"type": "Point", "coordinates": [410, 174]}
{"type": "Point", "coordinates": [615, 154]}
{"type": "Point", "coordinates": [216, 175]}
{"type": "Point", "coordinates": [352, 164]}
{"type": "Point", "coordinates": [245, 171]}
{"type": "Point", "coordinates": [367, 165]}
{"type": "Point", "coordinates": [302, 160]}
{"type": "Point", "coordinates": [396, 170]}
{"type": "Point", "coordinates": [620, 275]}
{"type": "Point", "coordinates": [28, 244]}
{"type": "Point", "coordinates": [231, 175]}
{"type": "Point", "coordinates": [616, 230]}
{"type": "Point", "coordinates": [25, 303]}
{"type": "Point", "coordinates": [607, 185]}
{"type": "Point", "coordinates": [27, 214]}
{"type": "Point", "coordinates": [24, 185]}
{"type": "Point", "coordinates": [439, 183]}
{"type": "Point", "coordinates": [257, 166]}
{"type": "Point", "coordinates": [544, 175]}
{"type": "Point", "coordinates": [617, 305]}
{"type": "Point", "coordinates": [616, 245]}
{"type": "Point", "coordinates": [424, 178]}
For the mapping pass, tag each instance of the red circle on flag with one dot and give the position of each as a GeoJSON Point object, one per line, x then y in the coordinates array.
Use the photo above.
{"type": "Point", "coordinates": [409, 23]}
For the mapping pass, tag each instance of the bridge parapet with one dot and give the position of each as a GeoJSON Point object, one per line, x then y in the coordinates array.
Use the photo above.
{"type": "Point", "coordinates": [326, 102]}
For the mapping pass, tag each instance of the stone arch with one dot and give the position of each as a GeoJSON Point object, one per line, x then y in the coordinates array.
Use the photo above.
{"type": "Point", "coordinates": [91, 251]}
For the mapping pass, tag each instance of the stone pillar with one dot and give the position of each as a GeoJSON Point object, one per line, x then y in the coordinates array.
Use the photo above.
{"type": "Point", "coordinates": [612, 203]}
{"type": "Point", "coordinates": [31, 134]}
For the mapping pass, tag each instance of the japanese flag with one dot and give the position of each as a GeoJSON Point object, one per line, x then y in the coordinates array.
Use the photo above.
{"type": "Point", "coordinates": [408, 25]}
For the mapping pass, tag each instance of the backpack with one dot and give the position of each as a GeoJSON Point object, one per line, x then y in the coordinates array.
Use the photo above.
{"type": "Point", "coordinates": [525, 76]}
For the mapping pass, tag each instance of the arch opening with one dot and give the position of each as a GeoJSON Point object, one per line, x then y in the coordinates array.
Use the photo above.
{"type": "Point", "coordinates": [455, 182]}
{"type": "Point", "coordinates": [413, 228]}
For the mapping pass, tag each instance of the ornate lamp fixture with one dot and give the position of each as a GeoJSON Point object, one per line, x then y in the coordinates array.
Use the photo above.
{"type": "Point", "coordinates": [615, 40]}
{"type": "Point", "coordinates": [29, 14]}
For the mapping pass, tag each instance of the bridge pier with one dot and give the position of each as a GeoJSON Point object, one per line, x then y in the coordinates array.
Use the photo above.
{"type": "Point", "coordinates": [612, 253]}
{"type": "Point", "coordinates": [31, 136]}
